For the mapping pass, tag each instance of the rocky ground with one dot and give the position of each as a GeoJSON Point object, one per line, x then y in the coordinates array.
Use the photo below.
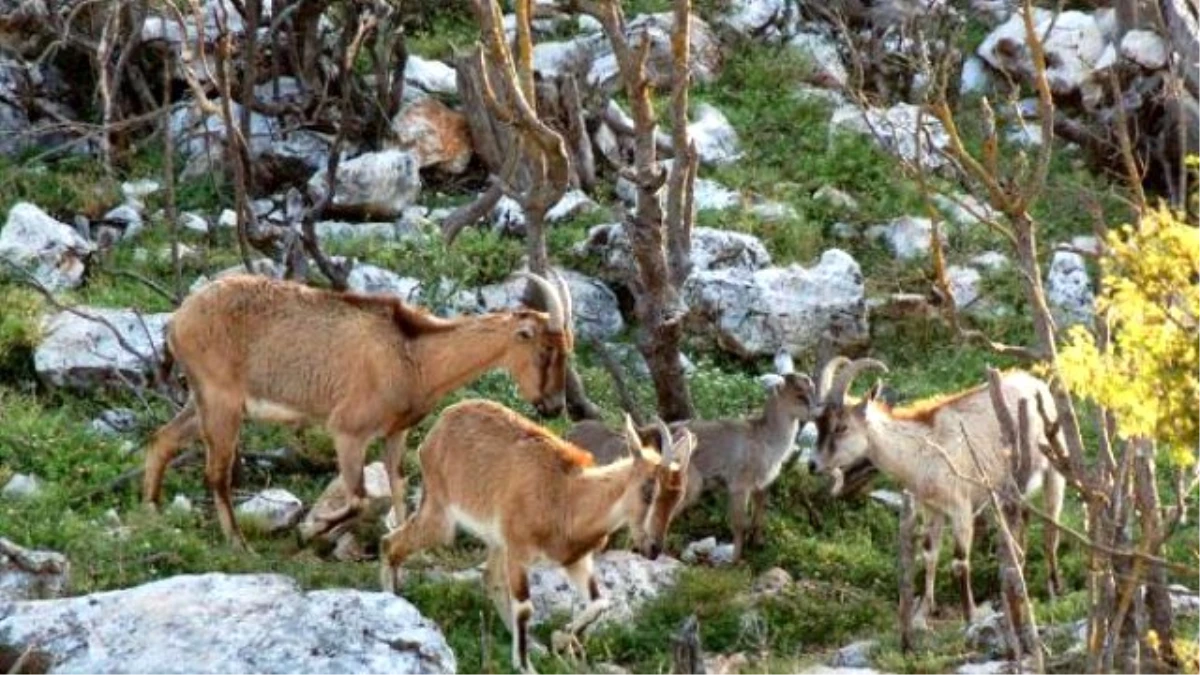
{"type": "Point", "coordinates": [807, 227]}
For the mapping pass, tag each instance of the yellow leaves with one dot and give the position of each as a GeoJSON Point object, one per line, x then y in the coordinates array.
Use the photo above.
{"type": "Point", "coordinates": [1151, 302]}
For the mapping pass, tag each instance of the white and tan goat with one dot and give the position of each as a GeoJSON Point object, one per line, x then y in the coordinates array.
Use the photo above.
{"type": "Point", "coordinates": [364, 366]}
{"type": "Point", "coordinates": [947, 451]}
{"type": "Point", "coordinates": [532, 496]}
{"type": "Point", "coordinates": [744, 455]}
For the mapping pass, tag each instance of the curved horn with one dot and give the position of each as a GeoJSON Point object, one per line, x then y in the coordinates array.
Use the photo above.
{"type": "Point", "coordinates": [845, 376]}
{"type": "Point", "coordinates": [664, 433]}
{"type": "Point", "coordinates": [564, 296]}
{"type": "Point", "coordinates": [550, 297]}
{"type": "Point", "coordinates": [827, 373]}
{"type": "Point", "coordinates": [631, 437]}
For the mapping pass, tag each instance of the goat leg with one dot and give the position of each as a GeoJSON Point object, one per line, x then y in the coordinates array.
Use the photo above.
{"type": "Point", "coordinates": [394, 446]}
{"type": "Point", "coordinates": [758, 509]}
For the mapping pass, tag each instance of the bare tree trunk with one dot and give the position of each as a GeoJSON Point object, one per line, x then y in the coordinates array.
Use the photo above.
{"type": "Point", "coordinates": [658, 306]}
{"type": "Point", "coordinates": [1158, 598]}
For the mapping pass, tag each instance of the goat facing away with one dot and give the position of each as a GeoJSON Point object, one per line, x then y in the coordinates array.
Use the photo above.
{"type": "Point", "coordinates": [364, 366]}
{"type": "Point", "coordinates": [531, 496]}
{"type": "Point", "coordinates": [745, 455]}
{"type": "Point", "coordinates": [948, 452]}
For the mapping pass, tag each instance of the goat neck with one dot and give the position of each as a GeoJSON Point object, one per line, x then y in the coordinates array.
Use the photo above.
{"type": "Point", "coordinates": [898, 447]}
{"type": "Point", "coordinates": [454, 358]}
{"type": "Point", "coordinates": [777, 427]}
{"type": "Point", "coordinates": [599, 503]}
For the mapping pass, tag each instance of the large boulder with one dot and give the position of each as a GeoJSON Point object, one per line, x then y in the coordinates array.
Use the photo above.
{"type": "Point", "coordinates": [373, 185]}
{"type": "Point", "coordinates": [770, 20]}
{"type": "Point", "coordinates": [597, 314]}
{"type": "Point", "coordinates": [431, 76]}
{"type": "Point", "coordinates": [439, 136]}
{"type": "Point", "coordinates": [715, 138]}
{"type": "Point", "coordinates": [712, 249]}
{"type": "Point", "coordinates": [895, 130]}
{"type": "Point", "coordinates": [51, 251]}
{"type": "Point", "coordinates": [277, 151]}
{"type": "Point", "coordinates": [1069, 290]}
{"type": "Point", "coordinates": [222, 623]}
{"type": "Point", "coordinates": [908, 237]}
{"type": "Point", "coordinates": [31, 575]}
{"type": "Point", "coordinates": [753, 314]}
{"type": "Point", "coordinates": [626, 578]}
{"type": "Point", "coordinates": [591, 59]}
{"type": "Point", "coordinates": [1072, 40]}
{"type": "Point", "coordinates": [114, 347]}
{"type": "Point", "coordinates": [821, 52]}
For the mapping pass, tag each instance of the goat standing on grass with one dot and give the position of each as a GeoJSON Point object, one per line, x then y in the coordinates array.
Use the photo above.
{"type": "Point", "coordinates": [927, 447]}
{"type": "Point", "coordinates": [530, 495]}
{"type": "Point", "coordinates": [364, 366]}
{"type": "Point", "coordinates": [745, 455]}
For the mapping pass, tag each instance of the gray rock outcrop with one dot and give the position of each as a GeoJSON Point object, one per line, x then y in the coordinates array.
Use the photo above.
{"type": "Point", "coordinates": [222, 623]}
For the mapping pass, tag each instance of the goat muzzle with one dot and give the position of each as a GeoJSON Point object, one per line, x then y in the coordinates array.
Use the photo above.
{"type": "Point", "coordinates": [550, 407]}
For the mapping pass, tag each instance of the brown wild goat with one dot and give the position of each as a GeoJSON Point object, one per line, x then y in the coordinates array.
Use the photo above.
{"type": "Point", "coordinates": [532, 496]}
{"type": "Point", "coordinates": [744, 455]}
{"type": "Point", "coordinates": [364, 366]}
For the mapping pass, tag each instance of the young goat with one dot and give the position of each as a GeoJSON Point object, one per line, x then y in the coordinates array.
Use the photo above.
{"type": "Point", "coordinates": [925, 448]}
{"type": "Point", "coordinates": [745, 455]}
{"type": "Point", "coordinates": [530, 496]}
{"type": "Point", "coordinates": [363, 366]}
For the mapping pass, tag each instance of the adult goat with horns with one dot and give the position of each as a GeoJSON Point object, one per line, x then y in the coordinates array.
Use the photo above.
{"type": "Point", "coordinates": [949, 452]}
{"type": "Point", "coordinates": [364, 366]}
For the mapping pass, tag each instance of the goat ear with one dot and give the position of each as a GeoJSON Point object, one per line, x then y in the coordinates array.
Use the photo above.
{"type": "Point", "coordinates": [526, 331]}
{"type": "Point", "coordinates": [682, 449]}
{"type": "Point", "coordinates": [872, 394]}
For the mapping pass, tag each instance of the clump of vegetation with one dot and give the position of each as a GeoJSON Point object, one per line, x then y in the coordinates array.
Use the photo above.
{"type": "Point", "coordinates": [1151, 302]}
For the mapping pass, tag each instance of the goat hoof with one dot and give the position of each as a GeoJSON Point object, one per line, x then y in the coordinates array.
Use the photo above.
{"type": "Point", "coordinates": [568, 644]}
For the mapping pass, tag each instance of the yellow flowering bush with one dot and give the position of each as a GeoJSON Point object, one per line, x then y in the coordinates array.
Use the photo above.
{"type": "Point", "coordinates": [1151, 301]}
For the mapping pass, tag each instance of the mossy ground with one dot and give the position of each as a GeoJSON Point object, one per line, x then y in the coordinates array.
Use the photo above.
{"type": "Point", "coordinates": [845, 559]}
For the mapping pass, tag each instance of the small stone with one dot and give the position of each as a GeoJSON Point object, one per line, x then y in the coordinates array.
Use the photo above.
{"type": "Point", "coordinates": [273, 509]}
{"type": "Point", "coordinates": [115, 421]}
{"type": "Point", "coordinates": [22, 486]}
{"type": "Point", "coordinates": [991, 261]}
{"type": "Point", "coordinates": [708, 551]}
{"type": "Point", "coordinates": [180, 504]}
{"type": "Point", "coordinates": [976, 79]}
{"type": "Point", "coordinates": [835, 198]}
{"type": "Point", "coordinates": [136, 191]}
{"type": "Point", "coordinates": [228, 218]}
{"type": "Point", "coordinates": [855, 655]}
{"type": "Point", "coordinates": [27, 574]}
{"type": "Point", "coordinates": [888, 498]}
{"type": "Point", "coordinates": [193, 222]}
{"type": "Point", "coordinates": [964, 285]}
{"type": "Point", "coordinates": [772, 582]}
{"type": "Point", "coordinates": [908, 237]}
{"type": "Point", "coordinates": [1145, 48]}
